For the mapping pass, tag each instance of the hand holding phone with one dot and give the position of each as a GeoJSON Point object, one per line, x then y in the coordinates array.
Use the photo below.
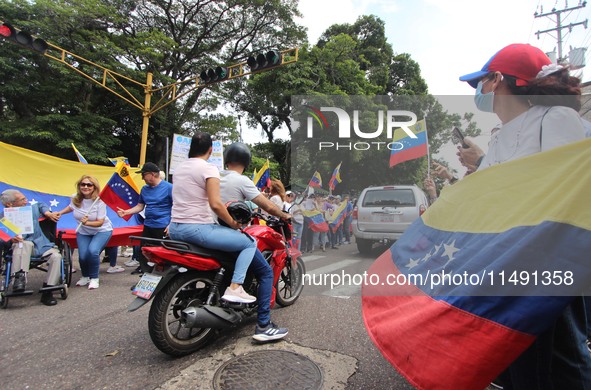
{"type": "Point", "coordinates": [458, 138]}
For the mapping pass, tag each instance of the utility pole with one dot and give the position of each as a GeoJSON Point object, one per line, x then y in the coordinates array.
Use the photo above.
{"type": "Point", "coordinates": [559, 27]}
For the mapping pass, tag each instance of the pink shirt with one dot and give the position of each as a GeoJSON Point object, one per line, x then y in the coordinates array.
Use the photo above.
{"type": "Point", "coordinates": [189, 196]}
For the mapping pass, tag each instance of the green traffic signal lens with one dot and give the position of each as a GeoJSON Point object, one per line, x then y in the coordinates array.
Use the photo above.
{"type": "Point", "coordinates": [221, 72]}
{"type": "Point", "coordinates": [273, 57]}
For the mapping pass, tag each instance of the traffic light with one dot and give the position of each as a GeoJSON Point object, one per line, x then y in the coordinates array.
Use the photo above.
{"type": "Point", "coordinates": [211, 75]}
{"type": "Point", "coordinates": [262, 61]}
{"type": "Point", "coordinates": [22, 38]}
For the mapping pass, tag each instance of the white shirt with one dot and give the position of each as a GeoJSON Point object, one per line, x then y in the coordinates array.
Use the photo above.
{"type": "Point", "coordinates": [520, 137]}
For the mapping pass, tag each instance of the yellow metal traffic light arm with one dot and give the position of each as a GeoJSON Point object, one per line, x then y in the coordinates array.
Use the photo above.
{"type": "Point", "coordinates": [241, 69]}
{"type": "Point", "coordinates": [97, 74]}
{"type": "Point", "coordinates": [114, 82]}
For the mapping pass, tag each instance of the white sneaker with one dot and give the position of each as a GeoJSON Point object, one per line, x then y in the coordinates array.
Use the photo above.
{"type": "Point", "coordinates": [94, 283]}
{"type": "Point", "coordinates": [238, 295]}
{"type": "Point", "coordinates": [115, 269]}
{"type": "Point", "coordinates": [132, 263]}
{"type": "Point", "coordinates": [83, 281]}
{"type": "Point", "coordinates": [128, 252]}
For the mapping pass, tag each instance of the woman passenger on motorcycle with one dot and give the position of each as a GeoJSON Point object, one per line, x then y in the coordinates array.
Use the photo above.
{"type": "Point", "coordinates": [196, 191]}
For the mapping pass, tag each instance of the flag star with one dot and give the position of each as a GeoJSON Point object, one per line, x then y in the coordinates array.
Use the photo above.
{"type": "Point", "coordinates": [54, 203]}
{"type": "Point", "coordinates": [412, 263]}
{"type": "Point", "coordinates": [33, 202]}
{"type": "Point", "coordinates": [449, 250]}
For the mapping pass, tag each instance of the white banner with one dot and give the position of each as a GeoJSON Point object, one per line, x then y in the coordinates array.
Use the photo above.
{"type": "Point", "coordinates": [180, 152]}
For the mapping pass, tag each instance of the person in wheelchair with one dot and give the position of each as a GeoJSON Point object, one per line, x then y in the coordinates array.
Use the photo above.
{"type": "Point", "coordinates": [34, 244]}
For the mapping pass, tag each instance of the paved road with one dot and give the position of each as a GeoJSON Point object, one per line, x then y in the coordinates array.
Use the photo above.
{"type": "Point", "coordinates": [90, 340]}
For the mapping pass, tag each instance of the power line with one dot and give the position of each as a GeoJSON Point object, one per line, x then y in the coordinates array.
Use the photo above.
{"type": "Point", "coordinates": [559, 26]}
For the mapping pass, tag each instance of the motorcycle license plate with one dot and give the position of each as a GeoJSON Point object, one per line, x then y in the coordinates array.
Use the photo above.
{"type": "Point", "coordinates": [146, 286]}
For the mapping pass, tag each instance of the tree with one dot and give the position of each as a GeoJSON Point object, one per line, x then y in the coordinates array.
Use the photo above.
{"type": "Point", "coordinates": [174, 40]}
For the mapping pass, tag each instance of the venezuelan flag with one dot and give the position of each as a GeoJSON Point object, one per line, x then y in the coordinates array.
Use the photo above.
{"type": "Point", "coordinates": [335, 178]}
{"type": "Point", "coordinates": [120, 191]}
{"type": "Point", "coordinates": [514, 241]}
{"type": "Point", "coordinates": [263, 176]}
{"type": "Point", "coordinates": [411, 147]}
{"type": "Point", "coordinates": [79, 155]}
{"type": "Point", "coordinates": [337, 217]}
{"type": "Point", "coordinates": [316, 180]}
{"type": "Point", "coordinates": [44, 178]}
{"type": "Point", "coordinates": [317, 222]}
{"type": "Point", "coordinates": [8, 230]}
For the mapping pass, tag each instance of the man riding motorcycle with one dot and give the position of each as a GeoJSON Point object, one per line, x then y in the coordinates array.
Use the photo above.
{"type": "Point", "coordinates": [235, 186]}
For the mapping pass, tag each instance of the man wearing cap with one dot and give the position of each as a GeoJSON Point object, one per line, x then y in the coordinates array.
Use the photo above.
{"type": "Point", "coordinates": [156, 200]}
{"type": "Point", "coordinates": [537, 102]}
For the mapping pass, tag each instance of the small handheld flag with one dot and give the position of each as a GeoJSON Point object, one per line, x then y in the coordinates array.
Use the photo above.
{"type": "Point", "coordinates": [316, 180]}
{"type": "Point", "coordinates": [263, 176]}
{"type": "Point", "coordinates": [411, 147]}
{"type": "Point", "coordinates": [120, 191]}
{"type": "Point", "coordinates": [336, 177]}
{"type": "Point", "coordinates": [8, 229]}
{"type": "Point", "coordinates": [115, 160]}
{"type": "Point", "coordinates": [79, 155]}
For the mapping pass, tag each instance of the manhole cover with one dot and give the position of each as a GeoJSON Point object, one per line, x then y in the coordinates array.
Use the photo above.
{"type": "Point", "coordinates": [261, 370]}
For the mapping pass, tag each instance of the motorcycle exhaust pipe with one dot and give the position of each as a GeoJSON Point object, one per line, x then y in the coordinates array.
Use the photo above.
{"type": "Point", "coordinates": [210, 317]}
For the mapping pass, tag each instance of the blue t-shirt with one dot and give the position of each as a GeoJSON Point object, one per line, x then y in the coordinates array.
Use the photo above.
{"type": "Point", "coordinates": [158, 201]}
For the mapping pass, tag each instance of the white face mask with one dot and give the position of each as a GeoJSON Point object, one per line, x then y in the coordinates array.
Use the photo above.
{"type": "Point", "coordinates": [484, 101]}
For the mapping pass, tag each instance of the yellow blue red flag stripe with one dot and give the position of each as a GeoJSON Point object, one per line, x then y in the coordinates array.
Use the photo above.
{"type": "Point", "coordinates": [514, 241]}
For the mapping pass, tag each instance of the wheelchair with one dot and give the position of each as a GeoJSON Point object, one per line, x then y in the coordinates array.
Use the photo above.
{"type": "Point", "coordinates": [49, 229]}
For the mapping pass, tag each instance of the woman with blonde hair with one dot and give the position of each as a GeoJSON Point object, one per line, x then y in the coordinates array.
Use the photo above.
{"type": "Point", "coordinates": [277, 193]}
{"type": "Point", "coordinates": [94, 229]}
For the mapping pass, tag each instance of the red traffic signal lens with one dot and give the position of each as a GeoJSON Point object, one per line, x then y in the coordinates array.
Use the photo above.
{"type": "Point", "coordinates": [6, 30]}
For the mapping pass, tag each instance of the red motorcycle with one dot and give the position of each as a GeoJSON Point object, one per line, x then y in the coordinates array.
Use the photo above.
{"type": "Point", "coordinates": [187, 282]}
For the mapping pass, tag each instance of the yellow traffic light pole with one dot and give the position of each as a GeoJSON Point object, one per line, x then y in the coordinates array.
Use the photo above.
{"type": "Point", "coordinates": [116, 83]}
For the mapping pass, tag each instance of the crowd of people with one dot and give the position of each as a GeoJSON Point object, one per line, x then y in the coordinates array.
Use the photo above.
{"type": "Point", "coordinates": [537, 103]}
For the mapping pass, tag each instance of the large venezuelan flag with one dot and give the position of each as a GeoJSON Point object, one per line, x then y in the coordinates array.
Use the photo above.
{"type": "Point", "coordinates": [41, 177]}
{"type": "Point", "coordinates": [412, 147]}
{"type": "Point", "coordinates": [520, 235]}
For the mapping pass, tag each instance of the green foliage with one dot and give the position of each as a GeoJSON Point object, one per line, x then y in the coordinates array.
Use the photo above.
{"type": "Point", "coordinates": [46, 106]}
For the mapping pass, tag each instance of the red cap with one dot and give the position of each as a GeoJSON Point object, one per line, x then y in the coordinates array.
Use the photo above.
{"type": "Point", "coordinates": [520, 60]}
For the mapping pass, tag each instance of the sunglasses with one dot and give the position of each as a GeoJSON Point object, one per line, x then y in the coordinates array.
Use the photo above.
{"type": "Point", "coordinates": [86, 185]}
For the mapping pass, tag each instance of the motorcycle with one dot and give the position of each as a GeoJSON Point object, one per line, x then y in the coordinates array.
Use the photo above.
{"type": "Point", "coordinates": [187, 282]}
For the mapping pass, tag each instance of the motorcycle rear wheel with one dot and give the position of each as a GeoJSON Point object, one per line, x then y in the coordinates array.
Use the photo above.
{"type": "Point", "coordinates": [290, 283]}
{"type": "Point", "coordinates": [166, 331]}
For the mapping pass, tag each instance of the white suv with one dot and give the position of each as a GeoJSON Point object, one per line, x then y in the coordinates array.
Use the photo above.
{"type": "Point", "coordinates": [384, 213]}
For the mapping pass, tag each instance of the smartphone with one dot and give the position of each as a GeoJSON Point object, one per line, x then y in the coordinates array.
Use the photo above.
{"type": "Point", "coordinates": [458, 138]}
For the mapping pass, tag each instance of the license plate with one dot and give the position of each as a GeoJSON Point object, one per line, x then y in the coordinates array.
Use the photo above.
{"type": "Point", "coordinates": [389, 218]}
{"type": "Point", "coordinates": [146, 286]}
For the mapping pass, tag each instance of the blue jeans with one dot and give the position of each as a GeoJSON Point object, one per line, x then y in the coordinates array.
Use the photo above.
{"type": "Point", "coordinates": [297, 233]}
{"type": "Point", "coordinates": [558, 358]}
{"type": "Point", "coordinates": [219, 237]}
{"type": "Point", "coordinates": [89, 249]}
{"type": "Point", "coordinates": [111, 252]}
{"type": "Point", "coordinates": [229, 240]}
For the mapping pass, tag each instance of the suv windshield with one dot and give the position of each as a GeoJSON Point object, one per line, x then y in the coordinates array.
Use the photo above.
{"type": "Point", "coordinates": [389, 197]}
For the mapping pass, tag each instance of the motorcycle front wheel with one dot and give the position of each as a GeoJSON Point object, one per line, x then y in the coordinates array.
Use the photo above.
{"type": "Point", "coordinates": [164, 321]}
{"type": "Point", "coordinates": [290, 283]}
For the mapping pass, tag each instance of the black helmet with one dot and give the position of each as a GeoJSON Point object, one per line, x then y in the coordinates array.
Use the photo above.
{"type": "Point", "coordinates": [239, 211]}
{"type": "Point", "coordinates": [237, 153]}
